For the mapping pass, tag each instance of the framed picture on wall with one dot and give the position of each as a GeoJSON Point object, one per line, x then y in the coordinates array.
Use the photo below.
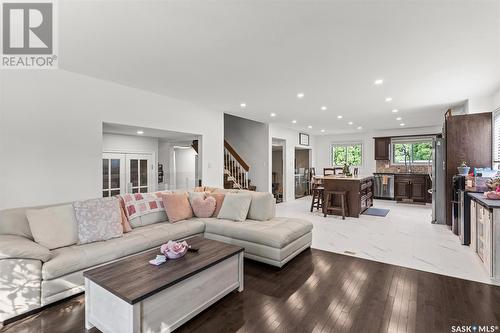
{"type": "Point", "coordinates": [303, 139]}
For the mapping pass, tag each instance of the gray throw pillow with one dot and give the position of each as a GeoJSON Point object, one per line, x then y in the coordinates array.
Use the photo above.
{"type": "Point", "coordinates": [54, 226]}
{"type": "Point", "coordinates": [98, 219]}
{"type": "Point", "coordinates": [235, 206]}
{"type": "Point", "coordinates": [262, 207]}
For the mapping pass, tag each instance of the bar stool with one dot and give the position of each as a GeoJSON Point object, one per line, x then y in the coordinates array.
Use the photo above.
{"type": "Point", "coordinates": [329, 203]}
{"type": "Point", "coordinates": [317, 197]}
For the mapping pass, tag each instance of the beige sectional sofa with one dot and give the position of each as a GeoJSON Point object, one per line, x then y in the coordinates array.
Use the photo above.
{"type": "Point", "coordinates": [32, 276]}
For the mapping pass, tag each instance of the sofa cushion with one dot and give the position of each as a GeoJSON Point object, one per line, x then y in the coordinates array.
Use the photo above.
{"type": "Point", "coordinates": [235, 206]}
{"type": "Point", "coordinates": [262, 207]}
{"type": "Point", "coordinates": [77, 257]}
{"type": "Point", "coordinates": [277, 232]}
{"type": "Point", "coordinates": [18, 247]}
{"type": "Point", "coordinates": [44, 222]}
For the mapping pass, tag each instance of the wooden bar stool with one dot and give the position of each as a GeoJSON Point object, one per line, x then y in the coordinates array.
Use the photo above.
{"type": "Point", "coordinates": [317, 197]}
{"type": "Point", "coordinates": [329, 203]}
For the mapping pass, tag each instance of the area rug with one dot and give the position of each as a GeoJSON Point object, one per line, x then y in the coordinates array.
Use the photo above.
{"type": "Point", "coordinates": [376, 212]}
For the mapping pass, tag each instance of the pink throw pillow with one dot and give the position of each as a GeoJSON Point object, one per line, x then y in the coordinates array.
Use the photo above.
{"type": "Point", "coordinates": [177, 206]}
{"type": "Point", "coordinates": [203, 207]}
{"type": "Point", "coordinates": [219, 198]}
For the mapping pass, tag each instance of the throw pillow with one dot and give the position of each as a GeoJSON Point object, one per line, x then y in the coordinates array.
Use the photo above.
{"type": "Point", "coordinates": [262, 207]}
{"type": "Point", "coordinates": [203, 207]}
{"type": "Point", "coordinates": [194, 195]}
{"type": "Point", "coordinates": [235, 206]}
{"type": "Point", "coordinates": [199, 189]}
{"type": "Point", "coordinates": [53, 227]}
{"type": "Point", "coordinates": [98, 219]}
{"type": "Point", "coordinates": [219, 199]}
{"type": "Point", "coordinates": [177, 206]}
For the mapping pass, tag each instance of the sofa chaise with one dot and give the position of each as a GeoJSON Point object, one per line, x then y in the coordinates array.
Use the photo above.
{"type": "Point", "coordinates": [32, 276]}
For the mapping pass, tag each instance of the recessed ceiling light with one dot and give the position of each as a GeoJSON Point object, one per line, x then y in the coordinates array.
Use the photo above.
{"type": "Point", "coordinates": [350, 123]}
{"type": "Point", "coordinates": [294, 121]}
{"type": "Point", "coordinates": [140, 132]}
{"type": "Point", "coordinates": [323, 108]}
{"type": "Point", "coordinates": [243, 105]}
{"type": "Point", "coordinates": [322, 131]}
{"type": "Point", "coordinates": [273, 114]}
{"type": "Point", "coordinates": [402, 124]}
{"type": "Point", "coordinates": [300, 95]}
{"type": "Point", "coordinates": [310, 126]}
{"type": "Point", "coordinates": [339, 117]}
{"type": "Point", "coordinates": [399, 118]}
{"type": "Point", "coordinates": [388, 99]}
{"type": "Point", "coordinates": [378, 82]}
{"type": "Point", "coordinates": [395, 110]}
{"type": "Point", "coordinates": [360, 128]}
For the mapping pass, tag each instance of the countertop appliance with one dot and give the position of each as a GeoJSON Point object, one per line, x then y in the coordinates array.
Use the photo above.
{"type": "Point", "coordinates": [384, 186]}
{"type": "Point", "coordinates": [438, 175]}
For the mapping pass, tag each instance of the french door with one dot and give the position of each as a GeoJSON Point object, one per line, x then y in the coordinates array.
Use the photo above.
{"type": "Point", "coordinates": [126, 173]}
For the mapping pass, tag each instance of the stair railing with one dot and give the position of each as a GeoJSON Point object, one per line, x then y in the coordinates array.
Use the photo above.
{"type": "Point", "coordinates": [235, 167]}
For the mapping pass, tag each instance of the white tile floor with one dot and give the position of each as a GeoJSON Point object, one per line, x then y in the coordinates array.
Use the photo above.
{"type": "Point", "coordinates": [405, 237]}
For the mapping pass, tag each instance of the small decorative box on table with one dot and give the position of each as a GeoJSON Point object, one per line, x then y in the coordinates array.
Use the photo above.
{"type": "Point", "coordinates": [131, 295]}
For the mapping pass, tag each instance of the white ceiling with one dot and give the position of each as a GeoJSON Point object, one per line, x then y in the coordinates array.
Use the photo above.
{"type": "Point", "coordinates": [431, 55]}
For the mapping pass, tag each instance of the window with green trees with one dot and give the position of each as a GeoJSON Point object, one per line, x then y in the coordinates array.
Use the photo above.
{"type": "Point", "coordinates": [347, 153]}
{"type": "Point", "coordinates": [416, 152]}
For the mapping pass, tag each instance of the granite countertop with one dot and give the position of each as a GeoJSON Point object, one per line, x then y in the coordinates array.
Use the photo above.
{"type": "Point", "coordinates": [357, 178]}
{"type": "Point", "coordinates": [493, 204]}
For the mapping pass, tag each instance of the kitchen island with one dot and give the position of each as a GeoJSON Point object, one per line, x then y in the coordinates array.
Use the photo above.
{"type": "Point", "coordinates": [359, 191]}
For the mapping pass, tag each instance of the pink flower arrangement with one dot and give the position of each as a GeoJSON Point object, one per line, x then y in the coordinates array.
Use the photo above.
{"type": "Point", "coordinates": [174, 250]}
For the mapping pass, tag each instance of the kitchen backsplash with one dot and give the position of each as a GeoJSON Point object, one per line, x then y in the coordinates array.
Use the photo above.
{"type": "Point", "coordinates": [386, 166]}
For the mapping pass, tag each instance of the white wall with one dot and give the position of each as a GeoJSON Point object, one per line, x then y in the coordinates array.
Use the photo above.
{"type": "Point", "coordinates": [322, 144]}
{"type": "Point", "coordinates": [291, 139]}
{"type": "Point", "coordinates": [250, 139]}
{"type": "Point", "coordinates": [496, 100]}
{"type": "Point", "coordinates": [480, 104]}
{"type": "Point", "coordinates": [51, 133]}
{"type": "Point", "coordinates": [185, 168]}
{"type": "Point", "coordinates": [166, 156]}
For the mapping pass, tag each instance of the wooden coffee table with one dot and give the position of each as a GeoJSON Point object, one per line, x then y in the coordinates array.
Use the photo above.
{"type": "Point", "coordinates": [131, 295]}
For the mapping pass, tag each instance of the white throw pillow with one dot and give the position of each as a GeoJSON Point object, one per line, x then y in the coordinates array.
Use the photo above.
{"type": "Point", "coordinates": [98, 219]}
{"type": "Point", "coordinates": [235, 206]}
{"type": "Point", "coordinates": [53, 227]}
{"type": "Point", "coordinates": [262, 207]}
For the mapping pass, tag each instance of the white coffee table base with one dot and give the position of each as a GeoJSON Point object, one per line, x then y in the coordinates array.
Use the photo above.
{"type": "Point", "coordinates": [167, 309]}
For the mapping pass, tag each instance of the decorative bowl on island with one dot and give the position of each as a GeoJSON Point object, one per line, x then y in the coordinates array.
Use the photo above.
{"type": "Point", "coordinates": [174, 250]}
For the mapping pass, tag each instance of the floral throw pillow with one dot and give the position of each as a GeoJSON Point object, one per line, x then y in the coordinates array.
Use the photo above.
{"type": "Point", "coordinates": [98, 219]}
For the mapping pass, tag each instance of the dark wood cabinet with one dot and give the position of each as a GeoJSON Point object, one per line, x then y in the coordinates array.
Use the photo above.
{"type": "Point", "coordinates": [382, 148]}
{"type": "Point", "coordinates": [411, 187]}
{"type": "Point", "coordinates": [468, 138]}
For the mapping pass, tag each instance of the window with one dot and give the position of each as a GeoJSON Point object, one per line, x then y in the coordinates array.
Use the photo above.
{"type": "Point", "coordinates": [411, 150]}
{"type": "Point", "coordinates": [347, 153]}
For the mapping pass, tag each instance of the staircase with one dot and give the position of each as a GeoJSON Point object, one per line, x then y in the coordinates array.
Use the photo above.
{"type": "Point", "coordinates": [235, 170]}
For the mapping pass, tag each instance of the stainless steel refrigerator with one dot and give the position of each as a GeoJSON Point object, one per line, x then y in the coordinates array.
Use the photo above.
{"type": "Point", "coordinates": [438, 175]}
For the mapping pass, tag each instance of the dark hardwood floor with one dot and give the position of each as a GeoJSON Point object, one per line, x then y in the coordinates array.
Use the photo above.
{"type": "Point", "coordinates": [322, 292]}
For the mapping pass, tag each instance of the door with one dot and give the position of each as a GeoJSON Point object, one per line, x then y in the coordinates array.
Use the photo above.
{"type": "Point", "coordinates": [126, 173]}
{"type": "Point", "coordinates": [113, 174]}
{"type": "Point", "coordinates": [138, 173]}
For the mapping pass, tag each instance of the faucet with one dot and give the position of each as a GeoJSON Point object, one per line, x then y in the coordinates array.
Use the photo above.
{"type": "Point", "coordinates": [407, 162]}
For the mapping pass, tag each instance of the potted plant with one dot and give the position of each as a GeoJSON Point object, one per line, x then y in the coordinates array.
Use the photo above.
{"type": "Point", "coordinates": [463, 169]}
